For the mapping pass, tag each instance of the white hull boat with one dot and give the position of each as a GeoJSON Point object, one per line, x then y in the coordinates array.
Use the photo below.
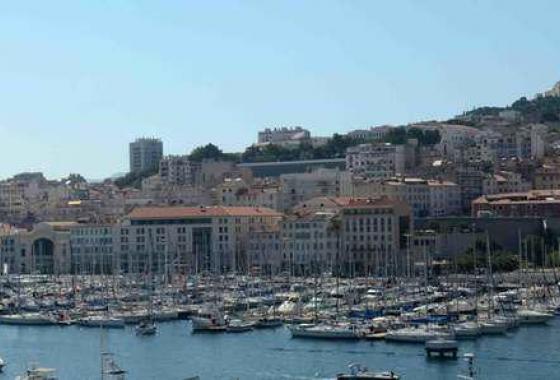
{"type": "Point", "coordinates": [34, 319]}
{"type": "Point", "coordinates": [323, 331]}
{"type": "Point", "coordinates": [533, 317]}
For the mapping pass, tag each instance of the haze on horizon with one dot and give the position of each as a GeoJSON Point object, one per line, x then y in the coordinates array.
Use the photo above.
{"type": "Point", "coordinates": [79, 80]}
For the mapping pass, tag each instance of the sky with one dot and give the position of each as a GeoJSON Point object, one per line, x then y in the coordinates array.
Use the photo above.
{"type": "Point", "coordinates": [79, 80]}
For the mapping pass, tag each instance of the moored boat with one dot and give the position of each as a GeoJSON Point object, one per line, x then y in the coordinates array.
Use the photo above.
{"type": "Point", "coordinates": [358, 372]}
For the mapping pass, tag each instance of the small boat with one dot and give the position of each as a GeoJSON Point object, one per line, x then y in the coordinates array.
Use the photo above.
{"type": "Point", "coordinates": [145, 328]}
{"type": "Point", "coordinates": [209, 321]}
{"type": "Point", "coordinates": [358, 372]}
{"type": "Point", "coordinates": [2, 364]}
{"type": "Point", "coordinates": [238, 326]}
{"type": "Point", "coordinates": [37, 373]}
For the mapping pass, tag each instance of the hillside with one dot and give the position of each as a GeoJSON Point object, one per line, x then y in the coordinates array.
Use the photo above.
{"type": "Point", "coordinates": [542, 109]}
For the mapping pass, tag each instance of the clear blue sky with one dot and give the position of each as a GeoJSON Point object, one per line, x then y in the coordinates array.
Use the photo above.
{"type": "Point", "coordinates": [80, 79]}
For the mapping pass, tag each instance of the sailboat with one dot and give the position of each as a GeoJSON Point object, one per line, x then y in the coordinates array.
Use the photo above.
{"type": "Point", "coordinates": [148, 326]}
{"type": "Point", "coordinates": [110, 369]}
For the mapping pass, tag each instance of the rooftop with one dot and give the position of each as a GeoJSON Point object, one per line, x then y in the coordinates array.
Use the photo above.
{"type": "Point", "coordinates": [200, 212]}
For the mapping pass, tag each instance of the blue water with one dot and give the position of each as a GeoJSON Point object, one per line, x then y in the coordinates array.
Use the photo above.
{"type": "Point", "coordinates": [175, 354]}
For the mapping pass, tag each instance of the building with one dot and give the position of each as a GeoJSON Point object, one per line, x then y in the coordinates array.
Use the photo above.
{"type": "Point", "coordinates": [504, 182]}
{"type": "Point", "coordinates": [275, 169]}
{"type": "Point", "coordinates": [298, 187]}
{"type": "Point", "coordinates": [283, 136]}
{"type": "Point", "coordinates": [426, 197]}
{"type": "Point", "coordinates": [189, 239]}
{"type": "Point", "coordinates": [310, 242]}
{"type": "Point", "coordinates": [554, 91]}
{"type": "Point", "coordinates": [534, 203]}
{"type": "Point", "coordinates": [372, 233]}
{"type": "Point", "coordinates": [176, 170]}
{"type": "Point", "coordinates": [236, 192]}
{"type": "Point", "coordinates": [547, 177]}
{"type": "Point", "coordinates": [145, 154]}
{"type": "Point", "coordinates": [91, 247]}
{"type": "Point", "coordinates": [377, 161]}
{"type": "Point", "coordinates": [371, 134]}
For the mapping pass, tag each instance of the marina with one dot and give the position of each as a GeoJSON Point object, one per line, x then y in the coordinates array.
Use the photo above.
{"type": "Point", "coordinates": [281, 327]}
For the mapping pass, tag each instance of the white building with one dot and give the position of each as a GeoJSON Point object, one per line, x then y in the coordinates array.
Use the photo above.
{"type": "Point", "coordinates": [375, 160]}
{"type": "Point", "coordinates": [280, 136]}
{"type": "Point", "coordinates": [189, 239]}
{"type": "Point", "coordinates": [176, 170]}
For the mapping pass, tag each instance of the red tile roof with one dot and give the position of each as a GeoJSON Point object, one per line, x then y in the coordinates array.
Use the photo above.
{"type": "Point", "coordinates": [199, 212]}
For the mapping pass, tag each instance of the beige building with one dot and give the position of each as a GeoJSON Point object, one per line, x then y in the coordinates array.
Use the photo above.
{"type": "Point", "coordinates": [189, 239]}
{"type": "Point", "coordinates": [426, 197]}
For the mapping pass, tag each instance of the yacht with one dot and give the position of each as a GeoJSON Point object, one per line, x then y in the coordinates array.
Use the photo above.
{"type": "Point", "coordinates": [324, 331]}
{"type": "Point", "coordinates": [416, 335]}
{"type": "Point", "coordinates": [36, 319]}
{"type": "Point", "coordinates": [102, 321]}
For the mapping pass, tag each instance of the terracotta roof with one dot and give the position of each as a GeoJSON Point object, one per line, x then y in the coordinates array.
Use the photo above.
{"type": "Point", "coordinates": [199, 212]}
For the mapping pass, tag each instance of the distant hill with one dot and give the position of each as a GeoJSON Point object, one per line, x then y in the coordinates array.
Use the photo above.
{"type": "Point", "coordinates": [542, 109]}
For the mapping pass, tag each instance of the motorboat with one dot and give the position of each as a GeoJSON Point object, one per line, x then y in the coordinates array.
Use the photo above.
{"type": "Point", "coordinates": [239, 326]}
{"type": "Point", "coordinates": [466, 330]}
{"type": "Point", "coordinates": [493, 327]}
{"type": "Point", "coordinates": [2, 364]}
{"type": "Point", "coordinates": [533, 317]}
{"type": "Point", "coordinates": [146, 328]}
{"type": "Point", "coordinates": [358, 372]}
{"type": "Point", "coordinates": [209, 320]}
{"type": "Point", "coordinates": [324, 331]}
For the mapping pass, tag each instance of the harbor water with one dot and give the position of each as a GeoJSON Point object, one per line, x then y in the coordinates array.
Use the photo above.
{"type": "Point", "coordinates": [530, 352]}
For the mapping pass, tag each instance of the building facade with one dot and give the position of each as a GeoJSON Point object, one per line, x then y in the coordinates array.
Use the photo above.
{"type": "Point", "coordinates": [145, 154]}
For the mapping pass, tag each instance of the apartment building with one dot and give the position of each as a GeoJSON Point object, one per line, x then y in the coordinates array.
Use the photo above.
{"type": "Point", "coordinates": [426, 197]}
{"type": "Point", "coordinates": [176, 171]}
{"type": "Point", "coordinates": [145, 154]}
{"type": "Point", "coordinates": [533, 203]}
{"type": "Point", "coordinates": [377, 161]}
